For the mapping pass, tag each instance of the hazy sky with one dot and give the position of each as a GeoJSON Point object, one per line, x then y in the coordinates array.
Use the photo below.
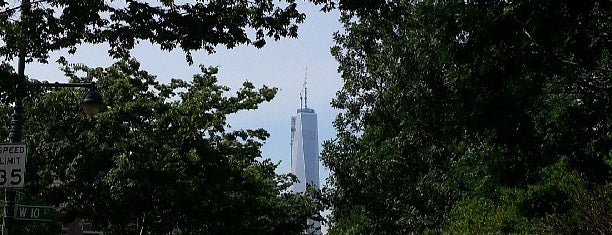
{"type": "Point", "coordinates": [279, 64]}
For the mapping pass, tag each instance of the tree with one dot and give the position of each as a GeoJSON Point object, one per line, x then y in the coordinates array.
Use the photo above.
{"type": "Point", "coordinates": [47, 25]}
{"type": "Point", "coordinates": [159, 159]}
{"type": "Point", "coordinates": [31, 29]}
{"type": "Point", "coordinates": [453, 108]}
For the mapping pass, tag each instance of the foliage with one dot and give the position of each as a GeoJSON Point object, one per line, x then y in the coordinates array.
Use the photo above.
{"type": "Point", "coordinates": [158, 159]}
{"type": "Point", "coordinates": [587, 209]}
{"type": "Point", "coordinates": [558, 203]}
{"type": "Point", "coordinates": [469, 116]}
{"type": "Point", "coordinates": [47, 25]}
{"type": "Point", "coordinates": [352, 224]}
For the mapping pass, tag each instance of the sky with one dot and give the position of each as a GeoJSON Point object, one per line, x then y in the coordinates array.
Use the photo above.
{"type": "Point", "coordinates": [280, 64]}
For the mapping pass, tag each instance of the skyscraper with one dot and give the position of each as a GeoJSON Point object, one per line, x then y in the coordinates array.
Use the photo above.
{"type": "Point", "coordinates": [304, 149]}
{"type": "Point", "coordinates": [305, 153]}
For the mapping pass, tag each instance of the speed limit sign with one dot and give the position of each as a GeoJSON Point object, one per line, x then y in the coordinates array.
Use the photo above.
{"type": "Point", "coordinates": [12, 165]}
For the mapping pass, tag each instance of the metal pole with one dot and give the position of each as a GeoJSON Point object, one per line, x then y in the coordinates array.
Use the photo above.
{"type": "Point", "coordinates": [16, 125]}
{"type": "Point", "coordinates": [15, 137]}
{"type": "Point", "coordinates": [91, 85]}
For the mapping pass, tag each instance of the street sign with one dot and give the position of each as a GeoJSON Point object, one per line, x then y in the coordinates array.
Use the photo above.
{"type": "Point", "coordinates": [39, 213]}
{"type": "Point", "coordinates": [12, 165]}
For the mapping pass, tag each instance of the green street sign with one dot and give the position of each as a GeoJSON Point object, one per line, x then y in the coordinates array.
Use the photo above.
{"type": "Point", "coordinates": [38, 213]}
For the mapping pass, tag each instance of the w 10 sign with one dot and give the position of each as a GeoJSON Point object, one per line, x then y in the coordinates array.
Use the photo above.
{"type": "Point", "coordinates": [39, 213]}
{"type": "Point", "coordinates": [12, 165]}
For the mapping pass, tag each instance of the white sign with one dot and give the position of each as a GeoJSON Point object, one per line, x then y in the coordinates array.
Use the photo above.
{"type": "Point", "coordinates": [12, 165]}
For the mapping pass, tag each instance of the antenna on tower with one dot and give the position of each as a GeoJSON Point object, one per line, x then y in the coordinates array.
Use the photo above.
{"type": "Point", "coordinates": [301, 101]}
{"type": "Point", "coordinates": [306, 88]}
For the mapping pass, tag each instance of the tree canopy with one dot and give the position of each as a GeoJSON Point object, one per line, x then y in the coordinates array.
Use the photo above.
{"type": "Point", "coordinates": [43, 26]}
{"type": "Point", "coordinates": [472, 117]}
{"type": "Point", "coordinates": [158, 160]}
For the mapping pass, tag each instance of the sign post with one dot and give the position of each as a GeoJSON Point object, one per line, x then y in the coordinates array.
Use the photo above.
{"type": "Point", "coordinates": [12, 165]}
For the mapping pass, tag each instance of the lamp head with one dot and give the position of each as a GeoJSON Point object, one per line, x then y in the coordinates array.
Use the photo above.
{"type": "Point", "coordinates": [92, 101]}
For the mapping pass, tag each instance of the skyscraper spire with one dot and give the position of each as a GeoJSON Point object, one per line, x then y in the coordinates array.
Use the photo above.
{"type": "Point", "coordinates": [306, 88]}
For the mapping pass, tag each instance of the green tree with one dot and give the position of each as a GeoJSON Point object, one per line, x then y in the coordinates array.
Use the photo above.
{"type": "Point", "coordinates": [458, 108]}
{"type": "Point", "coordinates": [31, 29]}
{"type": "Point", "coordinates": [159, 159]}
{"type": "Point", "coordinates": [47, 25]}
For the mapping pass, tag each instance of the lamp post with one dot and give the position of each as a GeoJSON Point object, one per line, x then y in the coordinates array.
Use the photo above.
{"type": "Point", "coordinates": [91, 104]}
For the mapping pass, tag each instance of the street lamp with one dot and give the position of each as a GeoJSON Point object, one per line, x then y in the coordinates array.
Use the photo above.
{"type": "Point", "coordinates": [91, 103]}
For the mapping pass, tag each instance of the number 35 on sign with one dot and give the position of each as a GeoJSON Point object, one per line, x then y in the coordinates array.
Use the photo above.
{"type": "Point", "coordinates": [12, 165]}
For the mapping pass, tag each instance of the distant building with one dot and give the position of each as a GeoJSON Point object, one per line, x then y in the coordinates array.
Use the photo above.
{"type": "Point", "coordinates": [304, 149]}
{"type": "Point", "coordinates": [305, 154]}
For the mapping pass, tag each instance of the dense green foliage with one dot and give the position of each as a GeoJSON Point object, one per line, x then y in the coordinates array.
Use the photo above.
{"type": "Point", "coordinates": [473, 117]}
{"type": "Point", "coordinates": [158, 160]}
{"type": "Point", "coordinates": [51, 25]}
